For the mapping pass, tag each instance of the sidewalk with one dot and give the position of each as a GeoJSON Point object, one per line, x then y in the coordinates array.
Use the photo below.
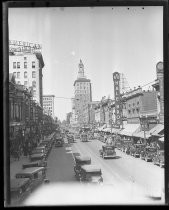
{"type": "Point", "coordinates": [16, 165]}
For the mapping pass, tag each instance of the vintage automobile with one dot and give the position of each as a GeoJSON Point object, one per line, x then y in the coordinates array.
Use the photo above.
{"type": "Point", "coordinates": [84, 137]}
{"type": "Point", "coordinates": [39, 150]}
{"type": "Point", "coordinates": [19, 190]}
{"type": "Point", "coordinates": [59, 142]}
{"type": "Point", "coordinates": [71, 138]}
{"type": "Point", "coordinates": [37, 176]}
{"type": "Point", "coordinates": [39, 163]}
{"type": "Point", "coordinates": [148, 153]}
{"type": "Point", "coordinates": [91, 174]}
{"type": "Point", "coordinates": [107, 151]}
{"type": "Point", "coordinates": [158, 159]}
{"type": "Point", "coordinates": [38, 156]}
{"type": "Point", "coordinates": [79, 161]}
{"type": "Point", "coordinates": [135, 150]}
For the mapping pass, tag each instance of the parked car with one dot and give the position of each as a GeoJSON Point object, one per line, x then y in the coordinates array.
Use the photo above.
{"type": "Point", "coordinates": [107, 151]}
{"type": "Point", "coordinates": [148, 153]}
{"type": "Point", "coordinates": [135, 150]}
{"type": "Point", "coordinates": [79, 161]}
{"type": "Point", "coordinates": [39, 150]}
{"type": "Point", "coordinates": [19, 190]}
{"type": "Point", "coordinates": [84, 137]}
{"type": "Point", "coordinates": [39, 163]}
{"type": "Point", "coordinates": [91, 174]}
{"type": "Point", "coordinates": [158, 159]}
{"type": "Point", "coordinates": [39, 156]}
{"type": "Point", "coordinates": [37, 176]}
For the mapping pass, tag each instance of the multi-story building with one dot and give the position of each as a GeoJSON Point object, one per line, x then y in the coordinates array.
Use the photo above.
{"type": "Point", "coordinates": [27, 68]}
{"type": "Point", "coordinates": [82, 92]}
{"type": "Point", "coordinates": [48, 105]}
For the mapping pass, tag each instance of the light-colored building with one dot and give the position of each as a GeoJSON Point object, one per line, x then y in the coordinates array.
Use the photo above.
{"type": "Point", "coordinates": [48, 105]}
{"type": "Point", "coordinates": [82, 93]}
{"type": "Point", "coordinates": [27, 69]}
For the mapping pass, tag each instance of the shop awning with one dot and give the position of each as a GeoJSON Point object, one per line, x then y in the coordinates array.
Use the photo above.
{"type": "Point", "coordinates": [141, 134]}
{"type": "Point", "coordinates": [129, 129]}
{"type": "Point", "coordinates": [156, 130]}
{"type": "Point", "coordinates": [114, 130]}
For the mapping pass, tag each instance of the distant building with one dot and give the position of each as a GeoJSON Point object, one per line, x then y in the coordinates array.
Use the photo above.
{"type": "Point", "coordinates": [82, 93]}
{"type": "Point", "coordinates": [48, 105]}
{"type": "Point", "coordinates": [138, 103]}
{"type": "Point", "coordinates": [27, 68]}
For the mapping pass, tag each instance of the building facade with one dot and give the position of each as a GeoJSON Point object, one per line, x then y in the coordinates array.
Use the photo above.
{"type": "Point", "coordinates": [27, 69]}
{"type": "Point", "coordinates": [48, 105]}
{"type": "Point", "coordinates": [82, 93]}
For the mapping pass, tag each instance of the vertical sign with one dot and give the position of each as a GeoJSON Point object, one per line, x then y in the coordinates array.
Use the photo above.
{"type": "Point", "coordinates": [116, 79]}
{"type": "Point", "coordinates": [160, 77]}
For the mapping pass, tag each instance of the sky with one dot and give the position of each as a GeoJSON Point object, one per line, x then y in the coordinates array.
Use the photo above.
{"type": "Point", "coordinates": [106, 39]}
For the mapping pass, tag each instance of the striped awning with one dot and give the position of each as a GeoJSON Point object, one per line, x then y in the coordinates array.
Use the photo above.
{"type": "Point", "coordinates": [156, 130]}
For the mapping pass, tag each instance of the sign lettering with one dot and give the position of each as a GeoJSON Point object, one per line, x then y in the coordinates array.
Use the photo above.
{"type": "Point", "coordinates": [118, 120]}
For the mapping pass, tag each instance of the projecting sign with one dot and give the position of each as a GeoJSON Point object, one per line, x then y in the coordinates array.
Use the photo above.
{"type": "Point", "coordinates": [118, 120]}
{"type": "Point", "coordinates": [26, 47]}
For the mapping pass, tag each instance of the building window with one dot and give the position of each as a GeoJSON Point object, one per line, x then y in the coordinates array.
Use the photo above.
{"type": "Point", "coordinates": [34, 92]}
{"type": "Point", "coordinates": [33, 74]}
{"type": "Point", "coordinates": [129, 111]}
{"type": "Point", "coordinates": [33, 84]}
{"type": "Point", "coordinates": [14, 74]}
{"type": "Point", "coordinates": [14, 65]}
{"type": "Point", "coordinates": [137, 111]}
{"type": "Point", "coordinates": [33, 64]}
{"type": "Point", "coordinates": [25, 74]}
{"type": "Point", "coordinates": [133, 104]}
{"type": "Point", "coordinates": [24, 58]}
{"type": "Point", "coordinates": [18, 82]}
{"type": "Point", "coordinates": [25, 83]}
{"type": "Point", "coordinates": [137, 102]}
{"type": "Point", "coordinates": [133, 111]}
{"type": "Point", "coordinates": [18, 75]}
{"type": "Point", "coordinates": [18, 65]}
{"type": "Point", "coordinates": [25, 65]}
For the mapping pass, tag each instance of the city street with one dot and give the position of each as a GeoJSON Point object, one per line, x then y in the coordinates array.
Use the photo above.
{"type": "Point", "coordinates": [127, 177]}
{"type": "Point", "coordinates": [124, 171]}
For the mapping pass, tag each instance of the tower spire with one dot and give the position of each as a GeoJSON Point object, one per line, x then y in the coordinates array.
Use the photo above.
{"type": "Point", "coordinates": [81, 70]}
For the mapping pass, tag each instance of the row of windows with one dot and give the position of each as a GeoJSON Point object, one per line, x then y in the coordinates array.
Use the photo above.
{"type": "Point", "coordinates": [18, 74]}
{"type": "Point", "coordinates": [133, 104]}
{"type": "Point", "coordinates": [137, 110]}
{"type": "Point", "coordinates": [47, 105]}
{"type": "Point", "coordinates": [18, 65]}
{"type": "Point", "coordinates": [47, 99]}
{"type": "Point", "coordinates": [26, 83]}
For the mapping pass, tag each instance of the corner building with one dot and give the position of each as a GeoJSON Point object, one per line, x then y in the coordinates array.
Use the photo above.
{"type": "Point", "coordinates": [27, 69]}
{"type": "Point", "coordinates": [82, 93]}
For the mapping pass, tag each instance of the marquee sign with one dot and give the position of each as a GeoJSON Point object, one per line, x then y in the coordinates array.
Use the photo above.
{"type": "Point", "coordinates": [118, 119]}
{"type": "Point", "coordinates": [23, 47]}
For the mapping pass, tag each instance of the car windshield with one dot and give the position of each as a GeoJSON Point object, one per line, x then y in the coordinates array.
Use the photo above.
{"type": "Point", "coordinates": [108, 148]}
{"type": "Point", "coordinates": [92, 174]}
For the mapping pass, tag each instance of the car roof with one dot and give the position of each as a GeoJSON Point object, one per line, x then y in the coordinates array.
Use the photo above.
{"type": "Point", "coordinates": [91, 168]}
{"type": "Point", "coordinates": [18, 182]}
{"type": "Point", "coordinates": [30, 170]}
{"type": "Point", "coordinates": [37, 155]}
{"type": "Point", "coordinates": [31, 163]}
{"type": "Point", "coordinates": [83, 158]}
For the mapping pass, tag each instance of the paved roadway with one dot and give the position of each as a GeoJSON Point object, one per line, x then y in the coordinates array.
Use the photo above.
{"type": "Point", "coordinates": [127, 176]}
{"type": "Point", "coordinates": [125, 171]}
